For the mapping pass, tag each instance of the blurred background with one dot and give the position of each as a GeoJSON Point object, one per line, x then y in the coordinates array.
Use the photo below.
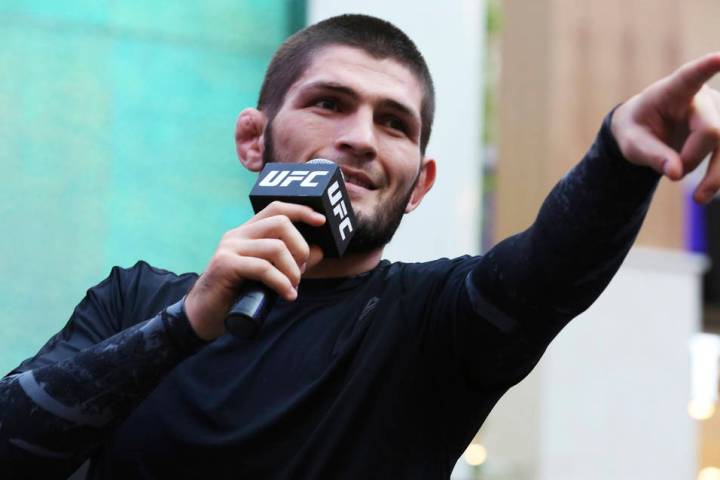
{"type": "Point", "coordinates": [116, 144]}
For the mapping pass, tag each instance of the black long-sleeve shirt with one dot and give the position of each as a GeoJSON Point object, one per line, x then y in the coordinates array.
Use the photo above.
{"type": "Point", "coordinates": [385, 375]}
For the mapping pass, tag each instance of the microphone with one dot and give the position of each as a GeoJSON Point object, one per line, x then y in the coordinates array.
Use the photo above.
{"type": "Point", "coordinates": [318, 184]}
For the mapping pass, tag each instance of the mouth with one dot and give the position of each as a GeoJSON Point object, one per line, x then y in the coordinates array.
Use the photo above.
{"type": "Point", "coordinates": [358, 178]}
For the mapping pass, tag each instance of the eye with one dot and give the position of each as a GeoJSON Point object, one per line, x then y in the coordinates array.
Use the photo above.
{"type": "Point", "coordinates": [327, 104]}
{"type": "Point", "coordinates": [395, 123]}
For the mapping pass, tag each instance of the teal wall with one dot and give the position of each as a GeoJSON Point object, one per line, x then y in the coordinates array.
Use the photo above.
{"type": "Point", "coordinates": [116, 143]}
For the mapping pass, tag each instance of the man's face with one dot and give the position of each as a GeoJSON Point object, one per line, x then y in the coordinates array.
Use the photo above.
{"type": "Point", "coordinates": [363, 114]}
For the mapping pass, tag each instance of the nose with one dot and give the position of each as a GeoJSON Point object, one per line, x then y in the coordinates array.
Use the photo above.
{"type": "Point", "coordinates": [357, 135]}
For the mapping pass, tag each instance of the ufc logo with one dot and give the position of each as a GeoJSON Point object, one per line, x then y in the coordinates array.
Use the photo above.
{"type": "Point", "coordinates": [339, 208]}
{"type": "Point", "coordinates": [283, 178]}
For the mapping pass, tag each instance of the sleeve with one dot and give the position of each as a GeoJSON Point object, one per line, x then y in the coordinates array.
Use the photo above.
{"type": "Point", "coordinates": [56, 407]}
{"type": "Point", "coordinates": [514, 300]}
{"type": "Point", "coordinates": [95, 318]}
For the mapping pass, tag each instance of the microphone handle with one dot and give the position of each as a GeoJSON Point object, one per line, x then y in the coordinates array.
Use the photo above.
{"type": "Point", "coordinates": [247, 315]}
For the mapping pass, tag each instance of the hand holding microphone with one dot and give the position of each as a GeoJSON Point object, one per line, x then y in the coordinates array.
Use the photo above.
{"type": "Point", "coordinates": [268, 254]}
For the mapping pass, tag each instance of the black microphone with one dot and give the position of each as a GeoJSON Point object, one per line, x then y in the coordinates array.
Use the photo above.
{"type": "Point", "coordinates": [318, 184]}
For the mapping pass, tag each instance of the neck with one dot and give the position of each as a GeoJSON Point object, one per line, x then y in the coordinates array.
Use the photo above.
{"type": "Point", "coordinates": [347, 266]}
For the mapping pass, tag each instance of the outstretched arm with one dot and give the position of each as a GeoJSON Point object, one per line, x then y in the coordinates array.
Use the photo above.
{"type": "Point", "coordinates": [529, 286]}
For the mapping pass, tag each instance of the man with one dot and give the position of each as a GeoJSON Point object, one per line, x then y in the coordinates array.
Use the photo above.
{"type": "Point", "coordinates": [364, 369]}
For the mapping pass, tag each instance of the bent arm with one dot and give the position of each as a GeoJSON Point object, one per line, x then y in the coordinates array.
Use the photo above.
{"type": "Point", "coordinates": [53, 416]}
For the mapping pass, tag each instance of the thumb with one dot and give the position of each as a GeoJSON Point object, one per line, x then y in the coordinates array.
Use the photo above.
{"type": "Point", "coordinates": [647, 150]}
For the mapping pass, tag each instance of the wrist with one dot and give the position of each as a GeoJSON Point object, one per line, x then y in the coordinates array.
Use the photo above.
{"type": "Point", "coordinates": [181, 329]}
{"type": "Point", "coordinates": [617, 126]}
{"type": "Point", "coordinates": [197, 319]}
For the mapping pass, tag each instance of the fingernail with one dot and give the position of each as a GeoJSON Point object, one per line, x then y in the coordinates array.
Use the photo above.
{"type": "Point", "coordinates": [666, 167]}
{"type": "Point", "coordinates": [303, 267]}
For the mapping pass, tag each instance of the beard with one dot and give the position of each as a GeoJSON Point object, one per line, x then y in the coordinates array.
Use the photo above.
{"type": "Point", "coordinates": [375, 231]}
{"type": "Point", "coordinates": [371, 231]}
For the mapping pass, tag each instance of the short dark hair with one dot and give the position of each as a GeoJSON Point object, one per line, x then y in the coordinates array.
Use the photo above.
{"type": "Point", "coordinates": [379, 38]}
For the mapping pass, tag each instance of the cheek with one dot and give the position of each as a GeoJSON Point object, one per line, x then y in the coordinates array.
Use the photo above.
{"type": "Point", "coordinates": [403, 165]}
{"type": "Point", "coordinates": [399, 148]}
{"type": "Point", "coordinates": [300, 137]}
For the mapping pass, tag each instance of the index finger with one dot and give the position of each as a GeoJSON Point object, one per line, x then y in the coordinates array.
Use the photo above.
{"type": "Point", "coordinates": [295, 212]}
{"type": "Point", "coordinates": [686, 81]}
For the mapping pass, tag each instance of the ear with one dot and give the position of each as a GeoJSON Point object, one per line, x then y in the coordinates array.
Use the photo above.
{"type": "Point", "coordinates": [425, 181]}
{"type": "Point", "coordinates": [249, 143]}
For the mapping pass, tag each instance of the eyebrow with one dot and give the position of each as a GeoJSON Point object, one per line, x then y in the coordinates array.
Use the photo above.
{"type": "Point", "coordinates": [345, 90]}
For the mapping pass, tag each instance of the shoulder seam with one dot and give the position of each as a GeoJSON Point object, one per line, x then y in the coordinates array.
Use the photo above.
{"type": "Point", "coordinates": [160, 271]}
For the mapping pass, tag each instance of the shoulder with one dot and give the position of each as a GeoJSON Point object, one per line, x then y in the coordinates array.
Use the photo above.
{"type": "Point", "coordinates": [127, 296]}
{"type": "Point", "coordinates": [435, 272]}
{"type": "Point", "coordinates": [441, 266]}
{"type": "Point", "coordinates": [142, 271]}
{"type": "Point", "coordinates": [143, 290]}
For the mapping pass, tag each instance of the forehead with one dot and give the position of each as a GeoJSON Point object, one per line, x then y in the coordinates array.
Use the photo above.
{"type": "Point", "coordinates": [353, 67]}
